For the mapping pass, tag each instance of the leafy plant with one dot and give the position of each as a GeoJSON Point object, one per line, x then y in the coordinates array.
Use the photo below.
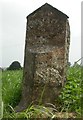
{"type": "Point", "coordinates": [70, 97]}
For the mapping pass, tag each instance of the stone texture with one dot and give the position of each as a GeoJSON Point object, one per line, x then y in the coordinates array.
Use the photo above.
{"type": "Point", "coordinates": [46, 56]}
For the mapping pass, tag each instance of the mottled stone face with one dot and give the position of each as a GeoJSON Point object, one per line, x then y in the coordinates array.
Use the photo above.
{"type": "Point", "coordinates": [45, 29]}
{"type": "Point", "coordinates": [46, 39]}
{"type": "Point", "coordinates": [46, 55]}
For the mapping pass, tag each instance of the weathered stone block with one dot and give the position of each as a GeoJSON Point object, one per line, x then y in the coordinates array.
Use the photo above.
{"type": "Point", "coordinates": [46, 56]}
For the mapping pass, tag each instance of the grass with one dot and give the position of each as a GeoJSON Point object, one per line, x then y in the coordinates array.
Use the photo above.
{"type": "Point", "coordinates": [1, 113]}
{"type": "Point", "coordinates": [69, 100]}
{"type": "Point", "coordinates": [11, 88]}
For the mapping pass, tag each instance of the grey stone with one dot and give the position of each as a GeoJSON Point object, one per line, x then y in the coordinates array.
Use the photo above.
{"type": "Point", "coordinates": [46, 56]}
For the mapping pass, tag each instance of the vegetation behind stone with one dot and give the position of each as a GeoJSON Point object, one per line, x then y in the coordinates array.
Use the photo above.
{"type": "Point", "coordinates": [69, 100]}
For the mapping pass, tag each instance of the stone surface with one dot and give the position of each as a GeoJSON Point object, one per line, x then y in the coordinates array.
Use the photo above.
{"type": "Point", "coordinates": [46, 56]}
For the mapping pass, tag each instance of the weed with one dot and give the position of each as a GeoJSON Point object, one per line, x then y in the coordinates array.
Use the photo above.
{"type": "Point", "coordinates": [68, 101]}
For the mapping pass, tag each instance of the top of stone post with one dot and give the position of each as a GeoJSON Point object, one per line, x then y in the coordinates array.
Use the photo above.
{"type": "Point", "coordinates": [48, 7]}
